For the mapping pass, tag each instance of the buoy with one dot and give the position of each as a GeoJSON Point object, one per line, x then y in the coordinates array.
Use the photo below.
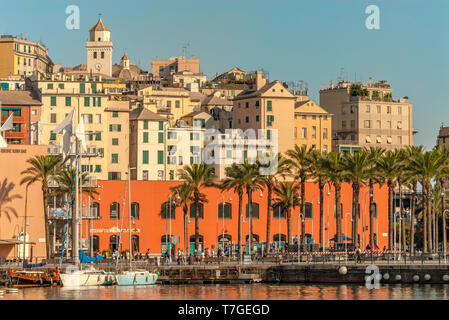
{"type": "Point", "coordinates": [386, 276]}
{"type": "Point", "coordinates": [398, 277]}
{"type": "Point", "coordinates": [446, 277]}
{"type": "Point", "coordinates": [427, 277]}
{"type": "Point", "coordinates": [416, 278]}
{"type": "Point", "coordinates": [343, 270]}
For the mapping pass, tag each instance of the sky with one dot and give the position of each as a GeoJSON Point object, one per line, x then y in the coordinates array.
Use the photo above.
{"type": "Point", "coordinates": [315, 41]}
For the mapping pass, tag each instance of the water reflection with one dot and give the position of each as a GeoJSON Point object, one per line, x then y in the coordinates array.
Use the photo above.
{"type": "Point", "coordinates": [236, 292]}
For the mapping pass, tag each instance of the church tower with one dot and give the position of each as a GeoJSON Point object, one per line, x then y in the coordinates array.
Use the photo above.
{"type": "Point", "coordinates": [99, 49]}
{"type": "Point", "coordinates": [124, 62]}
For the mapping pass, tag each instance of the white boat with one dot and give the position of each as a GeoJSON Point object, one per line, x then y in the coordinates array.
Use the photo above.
{"type": "Point", "coordinates": [135, 278]}
{"type": "Point", "coordinates": [88, 277]}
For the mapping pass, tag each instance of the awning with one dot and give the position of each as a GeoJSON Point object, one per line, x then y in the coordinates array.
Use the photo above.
{"type": "Point", "coordinates": [343, 237]}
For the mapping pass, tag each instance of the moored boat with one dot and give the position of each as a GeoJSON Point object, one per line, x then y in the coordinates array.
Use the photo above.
{"type": "Point", "coordinates": [87, 277]}
{"type": "Point", "coordinates": [25, 278]}
{"type": "Point", "coordinates": [135, 278]}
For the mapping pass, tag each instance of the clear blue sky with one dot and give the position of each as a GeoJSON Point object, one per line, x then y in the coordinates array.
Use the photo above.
{"type": "Point", "coordinates": [308, 40]}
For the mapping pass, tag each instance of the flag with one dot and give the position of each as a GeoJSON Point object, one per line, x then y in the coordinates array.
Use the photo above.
{"type": "Point", "coordinates": [65, 124]}
{"type": "Point", "coordinates": [8, 124]}
{"type": "Point", "coordinates": [66, 143]}
{"type": "Point", "coordinates": [80, 134]}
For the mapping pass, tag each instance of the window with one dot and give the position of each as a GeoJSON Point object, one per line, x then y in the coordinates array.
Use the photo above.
{"type": "Point", "coordinates": [325, 148]}
{"type": "Point", "coordinates": [270, 120]}
{"type": "Point", "coordinates": [160, 137]}
{"type": "Point", "coordinates": [161, 125]}
{"type": "Point", "coordinates": [86, 101]}
{"type": "Point", "coordinates": [279, 237]}
{"type": "Point", "coordinates": [95, 209]}
{"type": "Point", "coordinates": [95, 243]}
{"type": "Point", "coordinates": [194, 136]}
{"type": "Point", "coordinates": [246, 119]}
{"type": "Point", "coordinates": [97, 168]}
{"type": "Point", "coordinates": [378, 124]}
{"type": "Point", "coordinates": [98, 136]}
{"type": "Point", "coordinates": [308, 211]}
{"type": "Point", "coordinates": [200, 210]}
{"type": "Point", "coordinates": [115, 114]}
{"type": "Point", "coordinates": [102, 55]}
{"type": "Point", "coordinates": [399, 124]}
{"type": "Point", "coordinates": [378, 109]}
{"type": "Point", "coordinates": [95, 55]}
{"type": "Point", "coordinates": [114, 175]}
{"type": "Point", "coordinates": [352, 109]}
{"type": "Point", "coordinates": [388, 109]}
{"type": "Point", "coordinates": [313, 132]}
{"type": "Point", "coordinates": [304, 117]}
{"type": "Point", "coordinates": [135, 242]}
{"type": "Point", "coordinates": [324, 133]}
{"type": "Point", "coordinates": [399, 110]}
{"type": "Point", "coordinates": [304, 133]}
{"type": "Point", "coordinates": [114, 210]}
{"type": "Point", "coordinates": [113, 243]}
{"type": "Point", "coordinates": [145, 157]}
{"type": "Point", "coordinates": [50, 86]}
{"type": "Point", "coordinates": [114, 157]}
{"type": "Point", "coordinates": [61, 86]}
{"type": "Point", "coordinates": [82, 87]}
{"type": "Point", "coordinates": [368, 109]}
{"type": "Point", "coordinates": [257, 118]}
{"type": "Point", "coordinates": [269, 134]}
{"type": "Point", "coordinates": [367, 124]}
{"type": "Point", "coordinates": [115, 142]}
{"type": "Point", "coordinates": [168, 104]}
{"type": "Point", "coordinates": [247, 104]}
{"type": "Point", "coordinates": [145, 124]}
{"type": "Point", "coordinates": [343, 124]}
{"type": "Point", "coordinates": [269, 106]}
{"type": "Point", "coordinates": [160, 157]}
{"type": "Point", "coordinates": [278, 212]}
{"type": "Point", "coordinates": [295, 132]}
{"type": "Point", "coordinates": [177, 104]}
{"type": "Point", "coordinates": [115, 127]}
{"type": "Point", "coordinates": [352, 123]}
{"type": "Point", "coordinates": [135, 210]}
{"type": "Point", "coordinates": [224, 210]}
{"type": "Point", "coordinates": [399, 139]}
{"type": "Point", "coordinates": [52, 101]}
{"type": "Point", "coordinates": [254, 211]}
{"type": "Point", "coordinates": [172, 135]}
{"type": "Point", "coordinates": [52, 136]}
{"type": "Point", "coordinates": [257, 103]}
{"type": "Point", "coordinates": [94, 88]}
{"type": "Point", "coordinates": [145, 175]}
{"type": "Point", "coordinates": [68, 101]}
{"type": "Point", "coordinates": [98, 118]}
{"type": "Point", "coordinates": [313, 117]}
{"type": "Point", "coordinates": [53, 117]}
{"type": "Point", "coordinates": [324, 118]}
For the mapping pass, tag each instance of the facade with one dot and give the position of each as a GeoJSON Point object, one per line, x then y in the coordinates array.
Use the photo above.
{"type": "Point", "coordinates": [185, 78]}
{"type": "Point", "coordinates": [231, 75]}
{"type": "Point", "coordinates": [151, 229]}
{"type": "Point", "coordinates": [366, 115]}
{"type": "Point", "coordinates": [268, 106]}
{"type": "Point", "coordinates": [99, 49]}
{"type": "Point", "coordinates": [26, 108]}
{"type": "Point", "coordinates": [313, 126]}
{"type": "Point", "coordinates": [443, 136]}
{"type": "Point", "coordinates": [165, 68]}
{"type": "Point", "coordinates": [22, 57]}
{"type": "Point", "coordinates": [11, 83]}
{"type": "Point", "coordinates": [12, 205]}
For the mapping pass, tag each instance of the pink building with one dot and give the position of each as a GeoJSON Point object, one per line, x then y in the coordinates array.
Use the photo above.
{"type": "Point", "coordinates": [164, 68]}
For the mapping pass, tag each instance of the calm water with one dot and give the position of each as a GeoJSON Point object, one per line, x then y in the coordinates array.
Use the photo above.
{"type": "Point", "coordinates": [231, 292]}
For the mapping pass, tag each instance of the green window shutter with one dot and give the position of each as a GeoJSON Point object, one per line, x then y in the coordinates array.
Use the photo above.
{"type": "Point", "coordinates": [145, 157]}
{"type": "Point", "coordinates": [115, 142]}
{"type": "Point", "coordinates": [269, 134]}
{"type": "Point", "coordinates": [68, 101]}
{"type": "Point", "coordinates": [145, 124]}
{"type": "Point", "coordinates": [110, 127]}
{"type": "Point", "coordinates": [61, 86]}
{"type": "Point", "coordinates": [99, 101]}
{"type": "Point", "coordinates": [53, 118]}
{"type": "Point", "coordinates": [119, 128]}
{"type": "Point", "coordinates": [109, 175]}
{"type": "Point", "coordinates": [114, 158]}
{"type": "Point", "coordinates": [93, 87]}
{"type": "Point", "coordinates": [93, 102]}
{"type": "Point", "coordinates": [161, 125]}
{"type": "Point", "coordinates": [98, 136]}
{"type": "Point", "coordinates": [191, 136]}
{"type": "Point", "coordinates": [269, 106]}
{"type": "Point", "coordinates": [50, 86]}
{"type": "Point", "coordinates": [52, 136]}
{"type": "Point", "coordinates": [203, 123]}
{"type": "Point", "coordinates": [145, 137]}
{"type": "Point", "coordinates": [82, 87]}
{"type": "Point", "coordinates": [160, 157]}
{"type": "Point", "coordinates": [191, 160]}
{"type": "Point", "coordinates": [97, 168]}
{"type": "Point", "coordinates": [52, 101]}
{"type": "Point", "coordinates": [86, 101]}
{"type": "Point", "coordinates": [160, 137]}
{"type": "Point", "coordinates": [115, 114]}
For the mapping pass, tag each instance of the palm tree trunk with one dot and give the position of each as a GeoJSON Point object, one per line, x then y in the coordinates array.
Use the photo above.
{"type": "Point", "coordinates": [443, 214]}
{"type": "Point", "coordinates": [269, 210]}
{"type": "Point", "coordinates": [197, 227]}
{"type": "Point", "coordinates": [338, 209]}
{"type": "Point", "coordinates": [355, 212]}
{"type": "Point", "coordinates": [289, 227]}
{"type": "Point", "coordinates": [240, 225]}
{"type": "Point", "coordinates": [402, 216]}
{"type": "Point", "coordinates": [424, 202]}
{"type": "Point", "coordinates": [412, 221]}
{"type": "Point", "coordinates": [390, 215]}
{"type": "Point", "coordinates": [429, 215]}
{"type": "Point", "coordinates": [250, 214]}
{"type": "Point", "coordinates": [321, 187]}
{"type": "Point", "coordinates": [371, 214]}
{"type": "Point", "coordinates": [47, 231]}
{"type": "Point", "coordinates": [186, 236]}
{"type": "Point", "coordinates": [303, 220]}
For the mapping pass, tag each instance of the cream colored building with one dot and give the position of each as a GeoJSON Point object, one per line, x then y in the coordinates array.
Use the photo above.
{"type": "Point", "coordinates": [99, 49]}
{"type": "Point", "coordinates": [22, 57]}
{"type": "Point", "coordinates": [185, 78]}
{"type": "Point", "coordinates": [367, 115]}
{"type": "Point", "coordinates": [268, 106]}
{"type": "Point", "coordinates": [313, 126]}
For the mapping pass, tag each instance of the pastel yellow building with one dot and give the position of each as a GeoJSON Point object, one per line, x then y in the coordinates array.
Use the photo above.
{"type": "Point", "coordinates": [313, 126]}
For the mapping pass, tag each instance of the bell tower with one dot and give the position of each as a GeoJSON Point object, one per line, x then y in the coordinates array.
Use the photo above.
{"type": "Point", "coordinates": [99, 49]}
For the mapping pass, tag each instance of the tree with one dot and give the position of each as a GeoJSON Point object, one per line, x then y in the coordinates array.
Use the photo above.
{"type": "Point", "coordinates": [300, 160]}
{"type": "Point", "coordinates": [287, 198]}
{"type": "Point", "coordinates": [184, 192]}
{"type": "Point", "coordinates": [41, 169]}
{"type": "Point", "coordinates": [198, 176]}
{"type": "Point", "coordinates": [6, 197]}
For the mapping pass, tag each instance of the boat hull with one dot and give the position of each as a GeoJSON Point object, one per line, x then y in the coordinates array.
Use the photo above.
{"type": "Point", "coordinates": [136, 279]}
{"type": "Point", "coordinates": [24, 279]}
{"type": "Point", "coordinates": [87, 279]}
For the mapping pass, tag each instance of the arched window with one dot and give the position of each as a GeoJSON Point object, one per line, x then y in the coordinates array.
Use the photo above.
{"type": "Point", "coordinates": [278, 212]}
{"type": "Point", "coordinates": [225, 209]}
{"type": "Point", "coordinates": [168, 211]}
{"type": "Point", "coordinates": [255, 238]}
{"type": "Point", "coordinates": [135, 242]}
{"type": "Point", "coordinates": [113, 242]}
{"type": "Point", "coordinates": [95, 243]}
{"type": "Point", "coordinates": [279, 237]}
{"type": "Point", "coordinates": [135, 210]}
{"type": "Point", "coordinates": [192, 243]}
{"type": "Point", "coordinates": [200, 212]}
{"type": "Point", "coordinates": [226, 238]}
{"type": "Point", "coordinates": [309, 210]}
{"type": "Point", "coordinates": [114, 210]}
{"type": "Point", "coordinates": [254, 210]}
{"type": "Point", "coordinates": [95, 210]}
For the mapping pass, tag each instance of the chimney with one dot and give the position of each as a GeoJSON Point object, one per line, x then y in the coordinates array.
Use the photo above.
{"type": "Point", "coordinates": [370, 81]}
{"type": "Point", "coordinates": [260, 80]}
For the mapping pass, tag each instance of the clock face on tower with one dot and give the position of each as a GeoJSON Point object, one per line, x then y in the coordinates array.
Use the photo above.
{"type": "Point", "coordinates": [98, 66]}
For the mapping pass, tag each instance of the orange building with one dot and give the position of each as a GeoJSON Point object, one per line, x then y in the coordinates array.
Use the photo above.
{"type": "Point", "coordinates": [149, 228]}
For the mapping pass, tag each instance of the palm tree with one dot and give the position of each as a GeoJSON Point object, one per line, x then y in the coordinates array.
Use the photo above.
{"type": "Point", "coordinates": [300, 160]}
{"type": "Point", "coordinates": [42, 169]}
{"type": "Point", "coordinates": [6, 197]}
{"type": "Point", "coordinates": [411, 175]}
{"type": "Point", "coordinates": [374, 154]}
{"type": "Point", "coordinates": [65, 179]}
{"type": "Point", "coordinates": [198, 176]}
{"type": "Point", "coordinates": [357, 169]}
{"type": "Point", "coordinates": [183, 200]}
{"type": "Point", "coordinates": [234, 182]}
{"type": "Point", "coordinates": [336, 174]}
{"type": "Point", "coordinates": [269, 181]}
{"type": "Point", "coordinates": [287, 198]}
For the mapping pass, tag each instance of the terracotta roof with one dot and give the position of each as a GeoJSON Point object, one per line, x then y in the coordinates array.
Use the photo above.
{"type": "Point", "coordinates": [100, 26]}
{"type": "Point", "coordinates": [196, 96]}
{"type": "Point", "coordinates": [194, 113]}
{"type": "Point", "coordinates": [212, 100]}
{"type": "Point", "coordinates": [256, 93]}
{"type": "Point", "coordinates": [17, 98]}
{"type": "Point", "coordinates": [145, 114]}
{"type": "Point", "coordinates": [125, 57]}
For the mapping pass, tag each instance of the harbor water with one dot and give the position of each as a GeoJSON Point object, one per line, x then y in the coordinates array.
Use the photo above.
{"type": "Point", "coordinates": [237, 292]}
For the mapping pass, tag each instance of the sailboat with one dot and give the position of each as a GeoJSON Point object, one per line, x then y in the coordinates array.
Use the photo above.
{"type": "Point", "coordinates": [133, 277]}
{"type": "Point", "coordinates": [75, 275]}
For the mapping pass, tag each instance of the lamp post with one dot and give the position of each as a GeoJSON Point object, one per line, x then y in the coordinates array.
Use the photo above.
{"type": "Point", "coordinates": [444, 242]}
{"type": "Point", "coordinates": [346, 243]}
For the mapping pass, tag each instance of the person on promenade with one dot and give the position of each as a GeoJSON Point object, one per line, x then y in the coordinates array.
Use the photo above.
{"type": "Point", "coordinates": [147, 254]}
{"type": "Point", "coordinates": [358, 258]}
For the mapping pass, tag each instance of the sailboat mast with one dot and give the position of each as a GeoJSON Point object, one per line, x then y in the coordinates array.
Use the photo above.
{"type": "Point", "coordinates": [129, 202]}
{"type": "Point", "coordinates": [75, 244]}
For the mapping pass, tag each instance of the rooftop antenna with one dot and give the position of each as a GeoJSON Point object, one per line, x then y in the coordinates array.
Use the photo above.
{"type": "Point", "coordinates": [185, 46]}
